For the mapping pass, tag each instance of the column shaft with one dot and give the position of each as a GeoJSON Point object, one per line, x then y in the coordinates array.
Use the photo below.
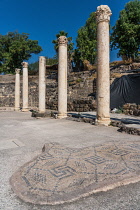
{"type": "Point", "coordinates": [25, 87]}
{"type": "Point", "coordinates": [17, 90]}
{"type": "Point", "coordinates": [62, 78]}
{"type": "Point", "coordinates": [103, 72]}
{"type": "Point", "coordinates": [42, 84]}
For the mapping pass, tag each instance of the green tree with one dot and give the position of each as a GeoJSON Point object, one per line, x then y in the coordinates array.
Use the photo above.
{"type": "Point", "coordinates": [51, 61]}
{"type": "Point", "coordinates": [86, 41]}
{"type": "Point", "coordinates": [70, 47]}
{"type": "Point", "coordinates": [34, 67]}
{"type": "Point", "coordinates": [126, 32]}
{"type": "Point", "coordinates": [70, 44]}
{"type": "Point", "coordinates": [14, 49]}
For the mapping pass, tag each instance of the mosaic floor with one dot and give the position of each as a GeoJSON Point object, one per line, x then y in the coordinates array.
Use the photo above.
{"type": "Point", "coordinates": [62, 174]}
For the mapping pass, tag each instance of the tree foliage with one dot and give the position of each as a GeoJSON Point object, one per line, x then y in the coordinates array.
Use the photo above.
{"type": "Point", "coordinates": [86, 41]}
{"type": "Point", "coordinates": [14, 48]}
{"type": "Point", "coordinates": [126, 32]}
{"type": "Point", "coordinates": [70, 43]}
{"type": "Point", "coordinates": [51, 61]}
{"type": "Point", "coordinates": [34, 67]}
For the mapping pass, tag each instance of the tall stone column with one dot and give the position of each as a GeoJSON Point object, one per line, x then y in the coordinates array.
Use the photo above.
{"type": "Point", "coordinates": [17, 90]}
{"type": "Point", "coordinates": [62, 77]}
{"type": "Point", "coordinates": [42, 83]}
{"type": "Point", "coordinates": [25, 87]}
{"type": "Point", "coordinates": [103, 14]}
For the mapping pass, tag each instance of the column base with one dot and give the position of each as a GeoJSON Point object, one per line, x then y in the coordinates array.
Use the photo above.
{"type": "Point", "coordinates": [61, 116]}
{"type": "Point", "coordinates": [25, 109]}
{"type": "Point", "coordinates": [103, 121]}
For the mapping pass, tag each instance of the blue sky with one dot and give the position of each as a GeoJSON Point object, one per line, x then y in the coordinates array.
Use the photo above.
{"type": "Point", "coordinates": [43, 19]}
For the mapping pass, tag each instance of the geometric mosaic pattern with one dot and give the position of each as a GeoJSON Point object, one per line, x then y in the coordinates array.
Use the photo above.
{"type": "Point", "coordinates": [95, 160]}
{"type": "Point", "coordinates": [62, 174]}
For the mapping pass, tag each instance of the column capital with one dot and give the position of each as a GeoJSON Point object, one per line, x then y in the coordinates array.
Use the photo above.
{"type": "Point", "coordinates": [17, 71]}
{"type": "Point", "coordinates": [103, 13]}
{"type": "Point", "coordinates": [62, 40]}
{"type": "Point", "coordinates": [42, 59]}
{"type": "Point", "coordinates": [24, 64]}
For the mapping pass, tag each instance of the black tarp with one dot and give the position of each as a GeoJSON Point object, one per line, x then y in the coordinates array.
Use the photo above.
{"type": "Point", "coordinates": [125, 89]}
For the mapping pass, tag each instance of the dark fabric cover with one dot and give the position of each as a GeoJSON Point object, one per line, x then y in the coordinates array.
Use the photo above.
{"type": "Point", "coordinates": [125, 89]}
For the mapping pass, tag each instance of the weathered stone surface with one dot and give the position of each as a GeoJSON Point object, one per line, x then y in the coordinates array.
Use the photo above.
{"type": "Point", "coordinates": [80, 118]}
{"type": "Point", "coordinates": [130, 130]}
{"type": "Point", "coordinates": [17, 90]}
{"type": "Point", "coordinates": [42, 84]}
{"type": "Point", "coordinates": [135, 66]}
{"type": "Point", "coordinates": [103, 14]}
{"type": "Point", "coordinates": [127, 128]}
{"type": "Point", "coordinates": [25, 87]}
{"type": "Point", "coordinates": [76, 95]}
{"type": "Point", "coordinates": [44, 114]}
{"type": "Point", "coordinates": [75, 92]}
{"type": "Point", "coordinates": [7, 94]}
{"type": "Point", "coordinates": [131, 109]}
{"type": "Point", "coordinates": [61, 174]}
{"type": "Point", "coordinates": [62, 77]}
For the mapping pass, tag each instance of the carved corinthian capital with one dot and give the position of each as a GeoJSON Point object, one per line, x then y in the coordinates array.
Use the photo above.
{"type": "Point", "coordinates": [62, 40]}
{"type": "Point", "coordinates": [24, 64]}
{"type": "Point", "coordinates": [103, 13]}
{"type": "Point", "coordinates": [17, 71]}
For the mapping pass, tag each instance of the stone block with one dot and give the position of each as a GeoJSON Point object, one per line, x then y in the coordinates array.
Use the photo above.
{"type": "Point", "coordinates": [136, 112]}
{"type": "Point", "coordinates": [138, 106]}
{"type": "Point", "coordinates": [126, 106]}
{"type": "Point", "coordinates": [131, 112]}
{"type": "Point", "coordinates": [133, 106]}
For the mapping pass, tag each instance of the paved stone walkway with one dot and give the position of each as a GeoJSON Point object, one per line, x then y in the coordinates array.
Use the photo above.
{"type": "Point", "coordinates": [126, 123]}
{"type": "Point", "coordinates": [22, 138]}
{"type": "Point", "coordinates": [61, 174]}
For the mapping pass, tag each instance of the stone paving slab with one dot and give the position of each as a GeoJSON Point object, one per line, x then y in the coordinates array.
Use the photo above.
{"type": "Point", "coordinates": [11, 143]}
{"type": "Point", "coordinates": [129, 124]}
{"type": "Point", "coordinates": [61, 174]}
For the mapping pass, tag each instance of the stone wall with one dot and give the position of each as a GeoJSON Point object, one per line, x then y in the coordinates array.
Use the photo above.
{"type": "Point", "coordinates": [131, 109]}
{"type": "Point", "coordinates": [7, 91]}
{"type": "Point", "coordinates": [80, 90]}
{"type": "Point", "coordinates": [7, 94]}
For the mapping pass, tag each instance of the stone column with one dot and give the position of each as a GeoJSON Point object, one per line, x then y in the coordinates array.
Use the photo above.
{"type": "Point", "coordinates": [103, 14]}
{"type": "Point", "coordinates": [42, 83]}
{"type": "Point", "coordinates": [62, 77]}
{"type": "Point", "coordinates": [25, 87]}
{"type": "Point", "coordinates": [17, 90]}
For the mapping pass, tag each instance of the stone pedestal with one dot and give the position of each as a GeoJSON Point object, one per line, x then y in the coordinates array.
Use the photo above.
{"type": "Point", "coordinates": [17, 90]}
{"type": "Point", "coordinates": [25, 87]}
{"type": "Point", "coordinates": [62, 77]}
{"type": "Point", "coordinates": [103, 14]}
{"type": "Point", "coordinates": [42, 84]}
